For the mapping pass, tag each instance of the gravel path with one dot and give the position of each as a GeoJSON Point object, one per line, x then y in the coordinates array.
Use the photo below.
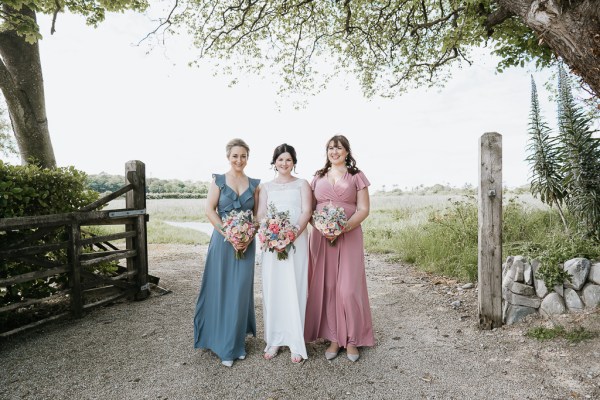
{"type": "Point", "coordinates": [426, 349]}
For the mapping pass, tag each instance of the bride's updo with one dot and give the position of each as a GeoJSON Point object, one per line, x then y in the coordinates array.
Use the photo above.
{"type": "Point", "coordinates": [284, 148]}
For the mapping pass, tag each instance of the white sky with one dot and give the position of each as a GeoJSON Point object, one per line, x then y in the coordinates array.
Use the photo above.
{"type": "Point", "coordinates": [109, 101]}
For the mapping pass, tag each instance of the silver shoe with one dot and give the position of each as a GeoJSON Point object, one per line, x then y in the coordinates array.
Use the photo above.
{"type": "Point", "coordinates": [353, 357]}
{"type": "Point", "coordinates": [227, 363]}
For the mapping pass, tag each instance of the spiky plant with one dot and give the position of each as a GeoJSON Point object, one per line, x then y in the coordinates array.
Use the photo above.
{"type": "Point", "coordinates": [579, 153]}
{"type": "Point", "coordinates": [546, 179]}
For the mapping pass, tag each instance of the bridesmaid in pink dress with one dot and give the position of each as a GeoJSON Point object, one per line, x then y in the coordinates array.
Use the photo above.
{"type": "Point", "coordinates": [338, 303]}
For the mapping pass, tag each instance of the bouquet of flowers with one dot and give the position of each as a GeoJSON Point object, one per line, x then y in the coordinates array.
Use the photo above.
{"type": "Point", "coordinates": [276, 232]}
{"type": "Point", "coordinates": [239, 228]}
{"type": "Point", "coordinates": [330, 221]}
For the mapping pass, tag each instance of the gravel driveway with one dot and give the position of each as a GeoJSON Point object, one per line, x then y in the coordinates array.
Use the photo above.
{"type": "Point", "coordinates": [427, 348]}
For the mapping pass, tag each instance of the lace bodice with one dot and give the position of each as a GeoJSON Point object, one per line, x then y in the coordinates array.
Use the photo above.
{"type": "Point", "coordinates": [286, 197]}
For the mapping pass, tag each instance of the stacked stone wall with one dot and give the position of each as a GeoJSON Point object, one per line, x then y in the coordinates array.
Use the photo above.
{"type": "Point", "coordinates": [523, 293]}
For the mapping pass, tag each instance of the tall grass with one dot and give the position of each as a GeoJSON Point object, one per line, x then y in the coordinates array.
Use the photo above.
{"type": "Point", "coordinates": [436, 232]}
{"type": "Point", "coordinates": [442, 237]}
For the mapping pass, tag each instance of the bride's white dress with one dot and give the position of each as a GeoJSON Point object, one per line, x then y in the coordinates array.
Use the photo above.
{"type": "Point", "coordinates": [285, 282]}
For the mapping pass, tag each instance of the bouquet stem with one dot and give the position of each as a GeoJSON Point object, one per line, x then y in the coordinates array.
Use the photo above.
{"type": "Point", "coordinates": [240, 255]}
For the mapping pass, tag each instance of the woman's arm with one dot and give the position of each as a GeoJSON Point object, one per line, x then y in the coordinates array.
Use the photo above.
{"type": "Point", "coordinates": [261, 209]}
{"type": "Point", "coordinates": [257, 200]}
{"type": "Point", "coordinates": [362, 209]}
{"type": "Point", "coordinates": [307, 206]}
{"type": "Point", "coordinates": [212, 201]}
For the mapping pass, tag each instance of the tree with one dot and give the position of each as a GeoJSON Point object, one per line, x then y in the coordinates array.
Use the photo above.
{"type": "Point", "coordinates": [393, 45]}
{"type": "Point", "coordinates": [21, 78]}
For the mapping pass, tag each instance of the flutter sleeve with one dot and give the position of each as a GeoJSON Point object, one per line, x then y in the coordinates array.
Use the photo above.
{"type": "Point", "coordinates": [313, 183]}
{"type": "Point", "coordinates": [361, 181]}
{"type": "Point", "coordinates": [219, 180]}
{"type": "Point", "coordinates": [253, 184]}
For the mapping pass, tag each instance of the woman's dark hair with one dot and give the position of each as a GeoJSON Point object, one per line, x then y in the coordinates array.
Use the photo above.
{"type": "Point", "coordinates": [350, 161]}
{"type": "Point", "coordinates": [284, 148]}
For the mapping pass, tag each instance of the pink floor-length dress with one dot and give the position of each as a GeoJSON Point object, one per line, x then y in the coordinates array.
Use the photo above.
{"type": "Point", "coordinates": [337, 307]}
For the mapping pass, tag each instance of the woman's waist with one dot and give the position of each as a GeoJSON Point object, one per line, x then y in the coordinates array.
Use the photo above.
{"type": "Point", "coordinates": [346, 205]}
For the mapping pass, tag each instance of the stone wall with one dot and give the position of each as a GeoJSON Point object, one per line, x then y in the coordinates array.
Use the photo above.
{"type": "Point", "coordinates": [524, 294]}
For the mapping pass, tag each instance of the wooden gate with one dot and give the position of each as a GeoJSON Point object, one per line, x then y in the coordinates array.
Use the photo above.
{"type": "Point", "coordinates": [42, 238]}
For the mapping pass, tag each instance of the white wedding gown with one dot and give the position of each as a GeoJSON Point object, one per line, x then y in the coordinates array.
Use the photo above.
{"type": "Point", "coordinates": [285, 282]}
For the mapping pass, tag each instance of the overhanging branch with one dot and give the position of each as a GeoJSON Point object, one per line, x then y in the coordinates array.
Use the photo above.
{"type": "Point", "coordinates": [496, 18]}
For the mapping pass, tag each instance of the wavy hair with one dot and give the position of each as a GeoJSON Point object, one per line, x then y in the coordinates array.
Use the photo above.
{"type": "Point", "coordinates": [350, 161]}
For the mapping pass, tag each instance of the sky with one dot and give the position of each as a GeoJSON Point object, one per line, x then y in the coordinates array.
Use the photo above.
{"type": "Point", "coordinates": [110, 100]}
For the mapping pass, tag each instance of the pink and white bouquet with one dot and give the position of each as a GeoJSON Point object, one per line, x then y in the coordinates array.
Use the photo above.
{"type": "Point", "coordinates": [276, 232]}
{"type": "Point", "coordinates": [330, 221]}
{"type": "Point", "coordinates": [239, 228]}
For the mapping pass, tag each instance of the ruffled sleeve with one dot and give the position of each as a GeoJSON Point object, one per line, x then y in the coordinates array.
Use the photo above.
{"type": "Point", "coordinates": [253, 184]}
{"type": "Point", "coordinates": [360, 180]}
{"type": "Point", "coordinates": [219, 180]}
{"type": "Point", "coordinates": [313, 183]}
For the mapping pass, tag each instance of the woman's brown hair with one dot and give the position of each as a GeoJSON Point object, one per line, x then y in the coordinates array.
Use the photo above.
{"type": "Point", "coordinates": [350, 161]}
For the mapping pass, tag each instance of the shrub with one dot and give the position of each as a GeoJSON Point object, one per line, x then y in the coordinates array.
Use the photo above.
{"type": "Point", "coordinates": [29, 191]}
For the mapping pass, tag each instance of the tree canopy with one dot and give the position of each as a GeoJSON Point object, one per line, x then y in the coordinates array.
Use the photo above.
{"type": "Point", "coordinates": [94, 11]}
{"type": "Point", "coordinates": [390, 45]}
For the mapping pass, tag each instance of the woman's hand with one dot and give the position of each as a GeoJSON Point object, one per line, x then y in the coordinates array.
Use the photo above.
{"type": "Point", "coordinates": [330, 237]}
{"type": "Point", "coordinates": [241, 246]}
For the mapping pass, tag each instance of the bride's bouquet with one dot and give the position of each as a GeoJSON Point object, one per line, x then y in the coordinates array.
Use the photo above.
{"type": "Point", "coordinates": [239, 227]}
{"type": "Point", "coordinates": [276, 232]}
{"type": "Point", "coordinates": [330, 221]}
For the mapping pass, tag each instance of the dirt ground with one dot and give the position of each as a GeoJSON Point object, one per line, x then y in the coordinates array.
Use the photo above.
{"type": "Point", "coordinates": [428, 347]}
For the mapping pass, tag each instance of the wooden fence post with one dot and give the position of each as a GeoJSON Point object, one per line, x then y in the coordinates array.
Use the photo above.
{"type": "Point", "coordinates": [490, 231]}
{"type": "Point", "coordinates": [135, 173]}
{"type": "Point", "coordinates": [73, 253]}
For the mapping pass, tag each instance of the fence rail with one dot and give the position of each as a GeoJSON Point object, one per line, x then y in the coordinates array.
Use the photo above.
{"type": "Point", "coordinates": [64, 233]}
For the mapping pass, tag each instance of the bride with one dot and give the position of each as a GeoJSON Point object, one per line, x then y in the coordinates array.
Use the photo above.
{"type": "Point", "coordinates": [285, 282]}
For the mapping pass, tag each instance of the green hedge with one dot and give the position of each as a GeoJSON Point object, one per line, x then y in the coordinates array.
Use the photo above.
{"type": "Point", "coordinates": [29, 191]}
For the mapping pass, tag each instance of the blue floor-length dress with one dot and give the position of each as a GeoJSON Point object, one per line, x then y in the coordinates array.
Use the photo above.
{"type": "Point", "coordinates": [225, 306]}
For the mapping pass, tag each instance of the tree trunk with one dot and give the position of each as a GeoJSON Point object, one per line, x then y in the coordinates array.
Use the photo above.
{"type": "Point", "coordinates": [22, 84]}
{"type": "Point", "coordinates": [570, 28]}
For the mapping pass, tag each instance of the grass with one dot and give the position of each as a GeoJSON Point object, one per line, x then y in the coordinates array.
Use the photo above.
{"type": "Point", "coordinates": [159, 232]}
{"type": "Point", "coordinates": [575, 335]}
{"type": "Point", "coordinates": [438, 233]}
{"type": "Point", "coordinates": [435, 231]}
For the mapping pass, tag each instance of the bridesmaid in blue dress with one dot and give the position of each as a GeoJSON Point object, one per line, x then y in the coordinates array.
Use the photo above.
{"type": "Point", "coordinates": [225, 306]}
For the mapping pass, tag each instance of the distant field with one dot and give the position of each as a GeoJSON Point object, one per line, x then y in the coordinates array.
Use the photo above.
{"type": "Point", "coordinates": [436, 232]}
{"type": "Point", "coordinates": [179, 210]}
{"type": "Point", "coordinates": [387, 212]}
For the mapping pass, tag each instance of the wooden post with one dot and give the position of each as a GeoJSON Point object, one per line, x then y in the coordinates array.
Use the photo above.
{"type": "Point", "coordinates": [135, 173]}
{"type": "Point", "coordinates": [75, 266]}
{"type": "Point", "coordinates": [490, 231]}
